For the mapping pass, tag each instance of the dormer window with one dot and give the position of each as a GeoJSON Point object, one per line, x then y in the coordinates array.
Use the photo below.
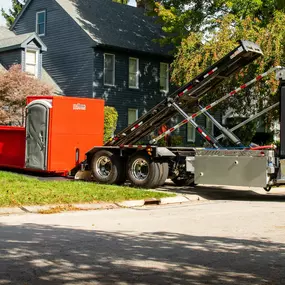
{"type": "Point", "coordinates": [32, 62]}
{"type": "Point", "coordinates": [41, 23]}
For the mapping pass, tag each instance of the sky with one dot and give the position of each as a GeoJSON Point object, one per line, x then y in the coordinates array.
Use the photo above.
{"type": "Point", "coordinates": [6, 4]}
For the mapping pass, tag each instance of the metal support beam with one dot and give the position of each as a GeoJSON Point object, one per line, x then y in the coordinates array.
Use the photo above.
{"type": "Point", "coordinates": [224, 130]}
{"type": "Point", "coordinates": [198, 128]}
{"type": "Point", "coordinates": [277, 69]}
{"type": "Point", "coordinates": [250, 119]}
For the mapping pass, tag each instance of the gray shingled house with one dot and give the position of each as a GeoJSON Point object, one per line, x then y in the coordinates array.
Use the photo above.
{"type": "Point", "coordinates": [101, 49]}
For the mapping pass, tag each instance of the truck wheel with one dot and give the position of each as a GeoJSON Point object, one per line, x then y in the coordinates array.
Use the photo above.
{"type": "Point", "coordinates": [164, 171]}
{"type": "Point", "coordinates": [107, 167]}
{"type": "Point", "coordinates": [183, 181]}
{"type": "Point", "coordinates": [142, 171]}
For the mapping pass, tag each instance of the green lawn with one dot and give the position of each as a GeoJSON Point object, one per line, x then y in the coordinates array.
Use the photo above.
{"type": "Point", "coordinates": [16, 190]}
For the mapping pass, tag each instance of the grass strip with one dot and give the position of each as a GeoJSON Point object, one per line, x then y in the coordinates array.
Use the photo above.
{"type": "Point", "coordinates": [20, 190]}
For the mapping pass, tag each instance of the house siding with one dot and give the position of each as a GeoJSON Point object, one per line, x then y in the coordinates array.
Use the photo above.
{"type": "Point", "coordinates": [11, 57]}
{"type": "Point", "coordinates": [69, 56]}
{"type": "Point", "coordinates": [121, 96]}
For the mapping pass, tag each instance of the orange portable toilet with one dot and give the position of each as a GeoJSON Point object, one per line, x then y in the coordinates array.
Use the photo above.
{"type": "Point", "coordinates": [60, 130]}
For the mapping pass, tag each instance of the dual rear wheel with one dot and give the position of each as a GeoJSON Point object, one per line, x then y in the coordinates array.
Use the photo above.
{"type": "Point", "coordinates": [144, 172]}
{"type": "Point", "coordinates": [108, 168]}
{"type": "Point", "coordinates": [141, 170]}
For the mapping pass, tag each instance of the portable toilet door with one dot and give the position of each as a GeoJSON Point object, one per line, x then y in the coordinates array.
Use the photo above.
{"type": "Point", "coordinates": [37, 127]}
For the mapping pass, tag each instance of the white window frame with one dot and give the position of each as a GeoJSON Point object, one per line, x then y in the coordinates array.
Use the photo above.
{"type": "Point", "coordinates": [193, 139]}
{"type": "Point", "coordinates": [37, 61]}
{"type": "Point", "coordinates": [114, 65]}
{"type": "Point", "coordinates": [137, 72]}
{"type": "Point", "coordinates": [137, 114]}
{"type": "Point", "coordinates": [166, 78]}
{"type": "Point", "coordinates": [37, 23]}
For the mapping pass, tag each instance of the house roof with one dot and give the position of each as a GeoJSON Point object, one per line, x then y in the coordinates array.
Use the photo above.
{"type": "Point", "coordinates": [5, 33]}
{"type": "Point", "coordinates": [115, 25]}
{"type": "Point", "coordinates": [2, 68]}
{"type": "Point", "coordinates": [47, 79]}
{"type": "Point", "coordinates": [8, 40]}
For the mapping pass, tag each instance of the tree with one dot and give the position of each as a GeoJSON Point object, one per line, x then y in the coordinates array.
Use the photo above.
{"type": "Point", "coordinates": [195, 55]}
{"type": "Point", "coordinates": [12, 14]}
{"type": "Point", "coordinates": [179, 17]}
{"type": "Point", "coordinates": [15, 86]}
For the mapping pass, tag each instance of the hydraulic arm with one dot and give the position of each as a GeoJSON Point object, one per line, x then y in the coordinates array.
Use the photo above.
{"type": "Point", "coordinates": [188, 95]}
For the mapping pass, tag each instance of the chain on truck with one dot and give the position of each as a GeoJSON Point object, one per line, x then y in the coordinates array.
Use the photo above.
{"type": "Point", "coordinates": [148, 166]}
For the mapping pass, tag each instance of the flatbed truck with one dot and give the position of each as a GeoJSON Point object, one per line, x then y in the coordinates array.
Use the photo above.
{"type": "Point", "coordinates": [148, 165]}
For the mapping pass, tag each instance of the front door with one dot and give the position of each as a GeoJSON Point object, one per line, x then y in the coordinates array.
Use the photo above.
{"type": "Point", "coordinates": [37, 134]}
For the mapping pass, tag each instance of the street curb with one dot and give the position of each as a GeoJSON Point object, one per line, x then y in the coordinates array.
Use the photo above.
{"type": "Point", "coordinates": [99, 206]}
{"type": "Point", "coordinates": [39, 209]}
{"type": "Point", "coordinates": [173, 200]}
{"type": "Point", "coordinates": [162, 201]}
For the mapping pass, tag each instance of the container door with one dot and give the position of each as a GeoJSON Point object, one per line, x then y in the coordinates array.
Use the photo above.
{"type": "Point", "coordinates": [37, 134]}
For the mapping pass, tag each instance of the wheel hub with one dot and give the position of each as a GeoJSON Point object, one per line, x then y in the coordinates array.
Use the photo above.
{"type": "Point", "coordinates": [104, 166]}
{"type": "Point", "coordinates": [140, 169]}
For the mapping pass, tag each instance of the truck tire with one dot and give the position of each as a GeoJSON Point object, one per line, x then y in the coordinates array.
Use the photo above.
{"type": "Point", "coordinates": [184, 181]}
{"type": "Point", "coordinates": [107, 167]}
{"type": "Point", "coordinates": [122, 174]}
{"type": "Point", "coordinates": [164, 171]}
{"type": "Point", "coordinates": [142, 171]}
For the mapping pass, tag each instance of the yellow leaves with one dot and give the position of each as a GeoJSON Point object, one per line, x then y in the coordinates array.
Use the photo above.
{"type": "Point", "coordinates": [110, 122]}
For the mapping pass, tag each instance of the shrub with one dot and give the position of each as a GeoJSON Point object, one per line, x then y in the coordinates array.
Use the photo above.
{"type": "Point", "coordinates": [15, 86]}
{"type": "Point", "coordinates": [110, 122]}
{"type": "Point", "coordinates": [176, 141]}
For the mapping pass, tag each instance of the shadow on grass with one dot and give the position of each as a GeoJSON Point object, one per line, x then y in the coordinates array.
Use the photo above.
{"type": "Point", "coordinates": [33, 254]}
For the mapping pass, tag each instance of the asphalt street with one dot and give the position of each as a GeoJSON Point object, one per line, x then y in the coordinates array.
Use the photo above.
{"type": "Point", "coordinates": [204, 242]}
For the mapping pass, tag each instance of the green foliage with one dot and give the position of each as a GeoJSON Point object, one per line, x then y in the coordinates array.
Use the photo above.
{"type": "Point", "coordinates": [176, 141]}
{"type": "Point", "coordinates": [12, 13]}
{"type": "Point", "coordinates": [196, 54]}
{"type": "Point", "coordinates": [110, 122]}
{"type": "Point", "coordinates": [179, 17]}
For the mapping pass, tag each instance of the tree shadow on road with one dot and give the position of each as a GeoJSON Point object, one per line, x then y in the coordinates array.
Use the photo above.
{"type": "Point", "coordinates": [55, 255]}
